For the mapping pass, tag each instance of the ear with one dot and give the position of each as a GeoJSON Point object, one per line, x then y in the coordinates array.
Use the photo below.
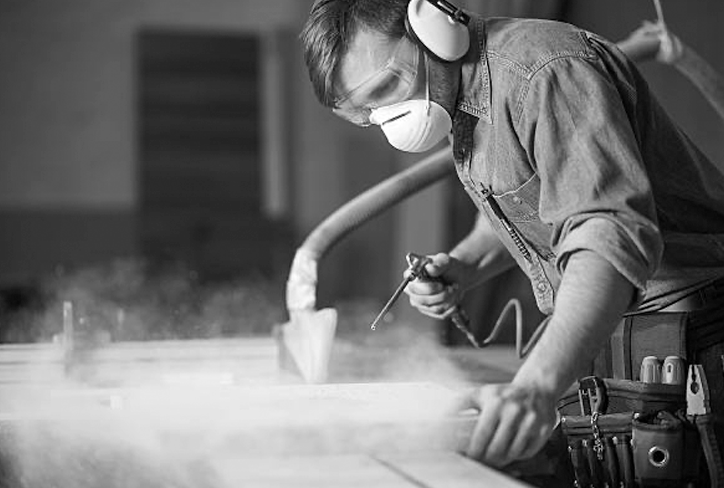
{"type": "Point", "coordinates": [440, 27]}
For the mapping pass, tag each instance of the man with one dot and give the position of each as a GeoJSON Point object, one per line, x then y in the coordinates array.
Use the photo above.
{"type": "Point", "coordinates": [579, 175]}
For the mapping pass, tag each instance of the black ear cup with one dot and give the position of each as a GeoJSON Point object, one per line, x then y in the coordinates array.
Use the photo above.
{"type": "Point", "coordinates": [439, 27]}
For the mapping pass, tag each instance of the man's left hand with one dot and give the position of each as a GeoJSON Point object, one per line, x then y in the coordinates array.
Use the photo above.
{"type": "Point", "coordinates": [514, 422]}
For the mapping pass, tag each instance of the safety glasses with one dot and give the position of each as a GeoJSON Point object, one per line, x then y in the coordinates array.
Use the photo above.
{"type": "Point", "coordinates": [393, 83]}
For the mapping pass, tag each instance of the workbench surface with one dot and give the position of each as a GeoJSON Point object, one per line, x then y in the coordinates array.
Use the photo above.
{"type": "Point", "coordinates": [220, 405]}
{"type": "Point", "coordinates": [247, 360]}
{"type": "Point", "coordinates": [413, 470]}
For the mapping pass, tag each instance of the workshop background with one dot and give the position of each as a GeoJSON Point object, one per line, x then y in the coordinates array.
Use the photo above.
{"type": "Point", "coordinates": [156, 138]}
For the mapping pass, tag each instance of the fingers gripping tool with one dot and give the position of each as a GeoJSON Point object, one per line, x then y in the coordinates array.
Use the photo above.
{"type": "Point", "coordinates": [416, 269]}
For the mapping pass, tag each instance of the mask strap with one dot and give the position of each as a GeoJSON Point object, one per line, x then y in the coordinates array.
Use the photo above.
{"type": "Point", "coordinates": [427, 83]}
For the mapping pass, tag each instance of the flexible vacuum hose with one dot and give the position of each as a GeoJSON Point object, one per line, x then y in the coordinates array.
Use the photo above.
{"type": "Point", "coordinates": [302, 281]}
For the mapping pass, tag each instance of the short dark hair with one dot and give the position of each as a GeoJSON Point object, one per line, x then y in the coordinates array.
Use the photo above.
{"type": "Point", "coordinates": [330, 29]}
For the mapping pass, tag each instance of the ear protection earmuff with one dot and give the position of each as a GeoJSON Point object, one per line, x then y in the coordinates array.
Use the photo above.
{"type": "Point", "coordinates": [440, 27]}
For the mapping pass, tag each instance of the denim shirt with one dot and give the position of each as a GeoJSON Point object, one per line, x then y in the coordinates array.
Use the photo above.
{"type": "Point", "coordinates": [559, 128]}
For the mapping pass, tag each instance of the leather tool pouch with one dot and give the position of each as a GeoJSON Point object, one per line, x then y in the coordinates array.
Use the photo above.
{"type": "Point", "coordinates": [628, 433]}
{"type": "Point", "coordinates": [638, 336]}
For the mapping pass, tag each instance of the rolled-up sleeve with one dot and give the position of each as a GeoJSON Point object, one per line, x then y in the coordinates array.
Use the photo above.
{"type": "Point", "coordinates": [595, 192]}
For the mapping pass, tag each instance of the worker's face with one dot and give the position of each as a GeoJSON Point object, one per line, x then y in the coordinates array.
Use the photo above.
{"type": "Point", "coordinates": [375, 72]}
{"type": "Point", "coordinates": [387, 83]}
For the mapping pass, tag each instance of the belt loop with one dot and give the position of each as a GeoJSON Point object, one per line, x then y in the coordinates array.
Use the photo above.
{"type": "Point", "coordinates": [621, 350]}
{"type": "Point", "coordinates": [627, 356]}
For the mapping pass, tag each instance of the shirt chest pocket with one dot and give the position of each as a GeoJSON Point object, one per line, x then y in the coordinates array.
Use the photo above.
{"type": "Point", "coordinates": [520, 207]}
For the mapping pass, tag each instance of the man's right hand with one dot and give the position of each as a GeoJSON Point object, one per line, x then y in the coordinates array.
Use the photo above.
{"type": "Point", "coordinates": [438, 298]}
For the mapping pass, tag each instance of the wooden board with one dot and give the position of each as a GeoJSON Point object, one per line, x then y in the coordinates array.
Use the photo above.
{"type": "Point", "coordinates": [446, 469]}
{"type": "Point", "coordinates": [340, 435]}
{"type": "Point", "coordinates": [257, 360]}
{"type": "Point", "coordinates": [252, 420]}
{"type": "Point", "coordinates": [218, 413]}
{"type": "Point", "coordinates": [412, 470]}
{"type": "Point", "coordinates": [339, 471]}
{"type": "Point", "coordinates": [119, 467]}
{"type": "Point", "coordinates": [232, 392]}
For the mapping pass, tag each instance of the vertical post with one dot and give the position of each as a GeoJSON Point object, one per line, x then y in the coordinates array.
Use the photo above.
{"type": "Point", "coordinates": [275, 125]}
{"type": "Point", "coordinates": [68, 332]}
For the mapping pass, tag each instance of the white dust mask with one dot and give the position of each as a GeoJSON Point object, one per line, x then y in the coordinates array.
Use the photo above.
{"type": "Point", "coordinates": [413, 125]}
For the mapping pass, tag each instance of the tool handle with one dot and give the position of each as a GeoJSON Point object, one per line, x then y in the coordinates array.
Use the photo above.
{"type": "Point", "coordinates": [611, 460]}
{"type": "Point", "coordinates": [458, 317]}
{"type": "Point", "coordinates": [461, 321]}
{"type": "Point", "coordinates": [705, 426]}
{"type": "Point", "coordinates": [579, 462]}
{"type": "Point", "coordinates": [625, 460]}
{"type": "Point", "coordinates": [417, 263]}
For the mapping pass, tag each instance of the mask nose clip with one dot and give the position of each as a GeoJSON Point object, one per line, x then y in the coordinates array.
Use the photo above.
{"type": "Point", "coordinates": [396, 117]}
{"type": "Point", "coordinates": [419, 123]}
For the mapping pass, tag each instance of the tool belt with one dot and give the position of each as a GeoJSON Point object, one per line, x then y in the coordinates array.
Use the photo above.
{"type": "Point", "coordinates": [628, 433]}
{"type": "Point", "coordinates": [621, 431]}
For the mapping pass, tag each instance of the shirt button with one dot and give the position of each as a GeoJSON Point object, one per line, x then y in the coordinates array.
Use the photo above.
{"type": "Point", "coordinates": [517, 200]}
{"type": "Point", "coordinates": [541, 287]}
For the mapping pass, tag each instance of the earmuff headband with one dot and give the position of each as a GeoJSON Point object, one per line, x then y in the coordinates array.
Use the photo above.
{"type": "Point", "coordinates": [451, 11]}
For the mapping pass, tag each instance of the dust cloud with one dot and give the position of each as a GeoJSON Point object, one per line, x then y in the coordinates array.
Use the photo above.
{"type": "Point", "coordinates": [168, 376]}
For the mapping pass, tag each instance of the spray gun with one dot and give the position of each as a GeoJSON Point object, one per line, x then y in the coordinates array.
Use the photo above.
{"type": "Point", "coordinates": [416, 269]}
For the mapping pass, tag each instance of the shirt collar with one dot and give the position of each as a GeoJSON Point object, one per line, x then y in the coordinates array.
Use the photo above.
{"type": "Point", "coordinates": [474, 96]}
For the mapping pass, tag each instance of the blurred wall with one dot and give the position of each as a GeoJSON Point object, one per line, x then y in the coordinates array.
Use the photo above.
{"type": "Point", "coordinates": [67, 129]}
{"type": "Point", "coordinates": [67, 120]}
{"type": "Point", "coordinates": [68, 160]}
{"type": "Point", "coordinates": [68, 148]}
{"type": "Point", "coordinates": [698, 24]}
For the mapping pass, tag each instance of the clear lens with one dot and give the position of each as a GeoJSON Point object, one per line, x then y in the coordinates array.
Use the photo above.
{"type": "Point", "coordinates": [393, 83]}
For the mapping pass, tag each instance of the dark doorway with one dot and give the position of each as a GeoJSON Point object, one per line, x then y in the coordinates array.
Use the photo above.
{"type": "Point", "coordinates": [200, 154]}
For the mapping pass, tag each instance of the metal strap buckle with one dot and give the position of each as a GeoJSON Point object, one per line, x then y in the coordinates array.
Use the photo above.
{"type": "Point", "coordinates": [592, 395]}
